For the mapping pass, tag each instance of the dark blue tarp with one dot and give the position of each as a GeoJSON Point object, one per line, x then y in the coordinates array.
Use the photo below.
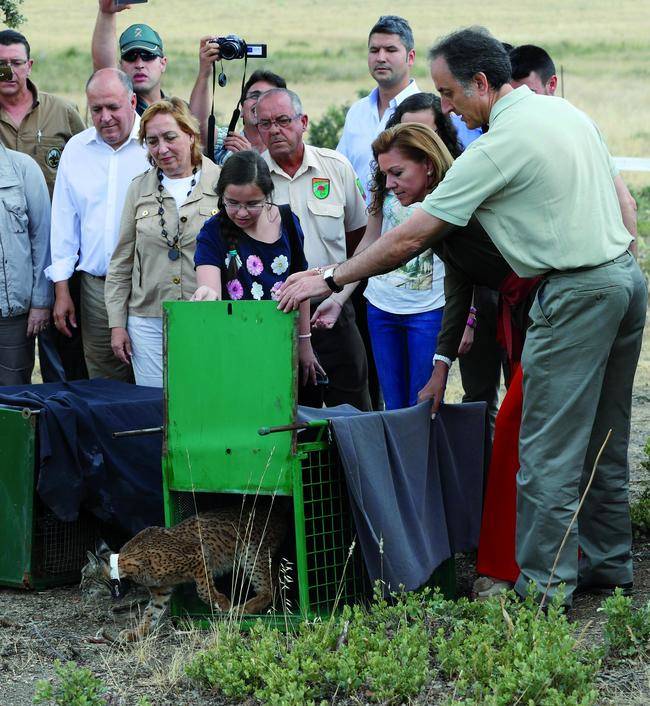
{"type": "Point", "coordinates": [82, 465]}
{"type": "Point", "coordinates": [416, 486]}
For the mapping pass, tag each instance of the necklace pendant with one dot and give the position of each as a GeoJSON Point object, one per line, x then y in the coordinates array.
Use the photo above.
{"type": "Point", "coordinates": [173, 254]}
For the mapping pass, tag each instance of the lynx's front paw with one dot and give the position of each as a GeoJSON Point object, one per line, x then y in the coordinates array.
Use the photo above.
{"type": "Point", "coordinates": [129, 635]}
{"type": "Point", "coordinates": [223, 604]}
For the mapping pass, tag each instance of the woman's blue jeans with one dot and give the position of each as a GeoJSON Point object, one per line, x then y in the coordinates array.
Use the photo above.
{"type": "Point", "coordinates": [403, 346]}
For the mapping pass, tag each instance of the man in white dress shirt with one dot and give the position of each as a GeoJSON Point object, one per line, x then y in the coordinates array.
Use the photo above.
{"type": "Point", "coordinates": [391, 55]}
{"type": "Point", "coordinates": [94, 174]}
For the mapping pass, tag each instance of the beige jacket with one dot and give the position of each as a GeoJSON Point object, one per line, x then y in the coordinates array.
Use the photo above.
{"type": "Point", "coordinates": [140, 275]}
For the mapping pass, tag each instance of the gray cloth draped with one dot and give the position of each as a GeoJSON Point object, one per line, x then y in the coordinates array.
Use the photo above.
{"type": "Point", "coordinates": [416, 486]}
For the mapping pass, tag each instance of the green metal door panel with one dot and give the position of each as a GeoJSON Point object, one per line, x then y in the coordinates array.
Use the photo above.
{"type": "Point", "coordinates": [230, 369]}
{"type": "Point", "coordinates": [17, 448]}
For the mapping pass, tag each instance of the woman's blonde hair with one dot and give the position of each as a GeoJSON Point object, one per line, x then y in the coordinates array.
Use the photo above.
{"type": "Point", "coordinates": [178, 109]}
{"type": "Point", "coordinates": [416, 142]}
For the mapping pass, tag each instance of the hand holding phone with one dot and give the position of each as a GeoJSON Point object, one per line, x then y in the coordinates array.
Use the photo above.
{"type": "Point", "coordinates": [125, 3]}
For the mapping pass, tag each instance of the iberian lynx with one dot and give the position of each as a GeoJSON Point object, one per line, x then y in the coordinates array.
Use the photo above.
{"type": "Point", "coordinates": [202, 546]}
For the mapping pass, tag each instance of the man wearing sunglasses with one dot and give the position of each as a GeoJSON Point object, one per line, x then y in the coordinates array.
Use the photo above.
{"type": "Point", "coordinates": [39, 124]}
{"type": "Point", "coordinates": [141, 54]}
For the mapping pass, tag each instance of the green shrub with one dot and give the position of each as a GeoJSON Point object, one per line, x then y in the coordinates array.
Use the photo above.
{"type": "Point", "coordinates": [72, 686]}
{"type": "Point", "coordinates": [640, 508]}
{"type": "Point", "coordinates": [627, 630]}
{"type": "Point", "coordinates": [503, 652]}
{"type": "Point", "coordinates": [496, 652]}
{"type": "Point", "coordinates": [326, 132]}
{"type": "Point", "coordinates": [382, 651]}
{"type": "Point", "coordinates": [13, 18]}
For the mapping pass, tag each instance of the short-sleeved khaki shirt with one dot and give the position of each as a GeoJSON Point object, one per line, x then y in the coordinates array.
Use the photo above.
{"type": "Point", "coordinates": [540, 182]}
{"type": "Point", "coordinates": [43, 132]}
{"type": "Point", "coordinates": [326, 195]}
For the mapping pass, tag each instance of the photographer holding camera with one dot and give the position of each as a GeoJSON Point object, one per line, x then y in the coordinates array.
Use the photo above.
{"type": "Point", "coordinates": [259, 81]}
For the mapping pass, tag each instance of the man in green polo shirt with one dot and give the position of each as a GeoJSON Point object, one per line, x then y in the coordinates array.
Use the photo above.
{"type": "Point", "coordinates": [540, 182]}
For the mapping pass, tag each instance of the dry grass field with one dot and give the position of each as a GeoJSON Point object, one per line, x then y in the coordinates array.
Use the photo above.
{"type": "Point", "coordinates": [602, 46]}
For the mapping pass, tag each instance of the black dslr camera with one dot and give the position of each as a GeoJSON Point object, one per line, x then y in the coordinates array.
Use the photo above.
{"type": "Point", "coordinates": [234, 47]}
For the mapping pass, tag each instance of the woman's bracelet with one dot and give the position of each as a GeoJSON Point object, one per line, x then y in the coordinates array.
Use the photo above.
{"type": "Point", "coordinates": [471, 322]}
{"type": "Point", "coordinates": [304, 335]}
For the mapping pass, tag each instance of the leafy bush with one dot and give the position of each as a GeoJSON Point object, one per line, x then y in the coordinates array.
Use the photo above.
{"type": "Point", "coordinates": [73, 686]}
{"type": "Point", "coordinates": [503, 652]}
{"type": "Point", "coordinates": [640, 509]}
{"type": "Point", "coordinates": [13, 18]}
{"type": "Point", "coordinates": [326, 132]}
{"type": "Point", "coordinates": [627, 631]}
{"type": "Point", "coordinates": [382, 651]}
{"type": "Point", "coordinates": [497, 652]}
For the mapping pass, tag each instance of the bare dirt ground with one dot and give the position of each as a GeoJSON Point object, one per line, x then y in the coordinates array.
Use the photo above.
{"type": "Point", "coordinates": [36, 628]}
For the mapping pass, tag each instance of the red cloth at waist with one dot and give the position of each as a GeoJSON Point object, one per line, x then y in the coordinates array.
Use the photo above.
{"type": "Point", "coordinates": [513, 291]}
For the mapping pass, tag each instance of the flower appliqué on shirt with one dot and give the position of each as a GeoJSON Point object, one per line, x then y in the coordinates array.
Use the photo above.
{"type": "Point", "coordinates": [275, 291]}
{"type": "Point", "coordinates": [235, 289]}
{"type": "Point", "coordinates": [279, 264]}
{"type": "Point", "coordinates": [254, 265]}
{"type": "Point", "coordinates": [257, 291]}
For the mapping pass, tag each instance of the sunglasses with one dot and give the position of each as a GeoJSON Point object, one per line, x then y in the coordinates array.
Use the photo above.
{"type": "Point", "coordinates": [133, 54]}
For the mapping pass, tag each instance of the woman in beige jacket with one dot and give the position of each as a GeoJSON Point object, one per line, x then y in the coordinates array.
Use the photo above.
{"type": "Point", "coordinates": [154, 259]}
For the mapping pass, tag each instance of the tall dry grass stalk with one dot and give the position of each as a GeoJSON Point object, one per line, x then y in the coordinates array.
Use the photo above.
{"type": "Point", "coordinates": [542, 603]}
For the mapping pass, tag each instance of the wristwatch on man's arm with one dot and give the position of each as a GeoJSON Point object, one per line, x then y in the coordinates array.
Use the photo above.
{"type": "Point", "coordinates": [328, 276]}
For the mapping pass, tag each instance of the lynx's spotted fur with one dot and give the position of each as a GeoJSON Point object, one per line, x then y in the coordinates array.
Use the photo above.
{"type": "Point", "coordinates": [209, 544]}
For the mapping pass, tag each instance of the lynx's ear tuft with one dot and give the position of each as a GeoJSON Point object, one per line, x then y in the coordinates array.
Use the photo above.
{"type": "Point", "coordinates": [102, 550]}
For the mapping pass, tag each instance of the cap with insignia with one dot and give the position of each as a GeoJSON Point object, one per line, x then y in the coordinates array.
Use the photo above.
{"type": "Point", "coordinates": [141, 36]}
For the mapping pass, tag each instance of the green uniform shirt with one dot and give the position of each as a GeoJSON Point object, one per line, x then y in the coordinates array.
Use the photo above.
{"type": "Point", "coordinates": [541, 184]}
{"type": "Point", "coordinates": [44, 131]}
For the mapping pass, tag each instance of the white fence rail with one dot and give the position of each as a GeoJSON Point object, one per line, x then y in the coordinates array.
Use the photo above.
{"type": "Point", "coordinates": [632, 164]}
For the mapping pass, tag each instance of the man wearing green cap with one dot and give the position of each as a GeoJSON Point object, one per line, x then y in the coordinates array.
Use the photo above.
{"type": "Point", "coordinates": [141, 54]}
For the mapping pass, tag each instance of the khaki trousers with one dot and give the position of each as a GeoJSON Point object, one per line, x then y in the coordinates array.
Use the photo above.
{"type": "Point", "coordinates": [100, 361]}
{"type": "Point", "coordinates": [579, 360]}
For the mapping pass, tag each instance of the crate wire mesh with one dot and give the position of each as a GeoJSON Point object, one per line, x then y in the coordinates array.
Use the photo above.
{"type": "Point", "coordinates": [334, 564]}
{"type": "Point", "coordinates": [59, 548]}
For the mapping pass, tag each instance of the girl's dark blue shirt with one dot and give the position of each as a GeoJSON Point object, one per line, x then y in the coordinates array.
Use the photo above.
{"type": "Point", "coordinates": [264, 266]}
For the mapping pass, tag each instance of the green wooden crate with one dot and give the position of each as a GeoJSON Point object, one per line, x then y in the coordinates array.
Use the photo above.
{"type": "Point", "coordinates": [38, 549]}
{"type": "Point", "coordinates": [231, 369]}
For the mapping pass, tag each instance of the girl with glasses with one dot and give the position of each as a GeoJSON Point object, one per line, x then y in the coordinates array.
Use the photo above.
{"type": "Point", "coordinates": [251, 246]}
